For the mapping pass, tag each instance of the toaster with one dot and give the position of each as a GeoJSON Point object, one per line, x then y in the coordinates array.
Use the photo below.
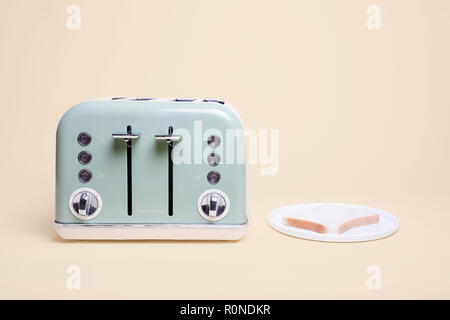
{"type": "Point", "coordinates": [151, 168]}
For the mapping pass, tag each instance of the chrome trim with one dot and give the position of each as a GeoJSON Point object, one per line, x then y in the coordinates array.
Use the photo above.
{"type": "Point", "coordinates": [125, 136]}
{"type": "Point", "coordinates": [207, 193]}
{"type": "Point", "coordinates": [167, 137]}
{"type": "Point", "coordinates": [154, 225]}
{"type": "Point", "coordinates": [91, 231]}
{"type": "Point", "coordinates": [83, 216]}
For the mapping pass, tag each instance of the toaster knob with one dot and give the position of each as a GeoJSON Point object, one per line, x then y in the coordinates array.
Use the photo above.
{"type": "Point", "coordinates": [85, 204]}
{"type": "Point", "coordinates": [213, 205]}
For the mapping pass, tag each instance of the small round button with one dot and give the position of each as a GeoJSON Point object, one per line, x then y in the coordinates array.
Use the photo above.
{"type": "Point", "coordinates": [213, 159]}
{"type": "Point", "coordinates": [213, 141]}
{"type": "Point", "coordinates": [213, 177]}
{"type": "Point", "coordinates": [84, 139]}
{"type": "Point", "coordinates": [213, 205]}
{"type": "Point", "coordinates": [84, 175]}
{"type": "Point", "coordinates": [84, 157]}
{"type": "Point", "coordinates": [85, 203]}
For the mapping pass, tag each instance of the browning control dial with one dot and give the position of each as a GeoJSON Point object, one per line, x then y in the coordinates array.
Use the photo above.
{"type": "Point", "coordinates": [85, 204]}
{"type": "Point", "coordinates": [213, 205]}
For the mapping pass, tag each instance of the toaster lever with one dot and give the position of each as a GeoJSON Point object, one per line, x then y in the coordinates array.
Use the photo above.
{"type": "Point", "coordinates": [128, 137]}
{"type": "Point", "coordinates": [125, 136]}
{"type": "Point", "coordinates": [168, 137]}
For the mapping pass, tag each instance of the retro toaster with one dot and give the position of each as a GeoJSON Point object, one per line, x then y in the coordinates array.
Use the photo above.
{"type": "Point", "coordinates": [146, 168]}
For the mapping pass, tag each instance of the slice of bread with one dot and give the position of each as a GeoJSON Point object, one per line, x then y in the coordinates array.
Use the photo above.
{"type": "Point", "coordinates": [330, 218]}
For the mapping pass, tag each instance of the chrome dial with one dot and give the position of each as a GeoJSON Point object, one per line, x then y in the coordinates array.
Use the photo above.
{"type": "Point", "coordinates": [85, 204]}
{"type": "Point", "coordinates": [213, 205]}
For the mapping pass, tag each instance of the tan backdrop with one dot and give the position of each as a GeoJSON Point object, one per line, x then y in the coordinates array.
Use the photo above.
{"type": "Point", "coordinates": [363, 117]}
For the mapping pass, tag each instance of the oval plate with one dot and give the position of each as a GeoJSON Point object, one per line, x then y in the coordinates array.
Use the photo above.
{"type": "Point", "coordinates": [387, 225]}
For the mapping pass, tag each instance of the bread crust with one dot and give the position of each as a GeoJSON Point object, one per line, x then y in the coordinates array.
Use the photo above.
{"type": "Point", "coordinates": [307, 225]}
{"type": "Point", "coordinates": [358, 222]}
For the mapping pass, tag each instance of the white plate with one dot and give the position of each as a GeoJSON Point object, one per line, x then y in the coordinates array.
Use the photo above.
{"type": "Point", "coordinates": [387, 225]}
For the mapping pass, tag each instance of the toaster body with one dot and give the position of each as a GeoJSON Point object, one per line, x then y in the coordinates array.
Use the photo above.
{"type": "Point", "coordinates": [151, 169]}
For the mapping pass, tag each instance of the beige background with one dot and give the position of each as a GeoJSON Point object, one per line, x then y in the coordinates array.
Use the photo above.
{"type": "Point", "coordinates": [363, 118]}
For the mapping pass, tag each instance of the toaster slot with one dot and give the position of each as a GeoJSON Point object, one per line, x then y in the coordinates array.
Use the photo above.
{"type": "Point", "coordinates": [170, 164]}
{"type": "Point", "coordinates": [129, 176]}
{"type": "Point", "coordinates": [128, 137]}
{"type": "Point", "coordinates": [169, 138]}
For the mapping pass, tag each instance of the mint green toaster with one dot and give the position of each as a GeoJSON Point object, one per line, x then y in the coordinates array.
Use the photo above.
{"type": "Point", "coordinates": [146, 168]}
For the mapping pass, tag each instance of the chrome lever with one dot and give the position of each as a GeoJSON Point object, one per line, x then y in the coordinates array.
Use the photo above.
{"type": "Point", "coordinates": [170, 138]}
{"type": "Point", "coordinates": [167, 137]}
{"type": "Point", "coordinates": [125, 136]}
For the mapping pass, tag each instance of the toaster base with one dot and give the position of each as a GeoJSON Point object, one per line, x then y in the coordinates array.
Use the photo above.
{"type": "Point", "coordinates": [149, 231]}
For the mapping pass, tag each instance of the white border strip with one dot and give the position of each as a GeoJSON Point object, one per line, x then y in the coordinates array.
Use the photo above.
{"type": "Point", "coordinates": [150, 231]}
